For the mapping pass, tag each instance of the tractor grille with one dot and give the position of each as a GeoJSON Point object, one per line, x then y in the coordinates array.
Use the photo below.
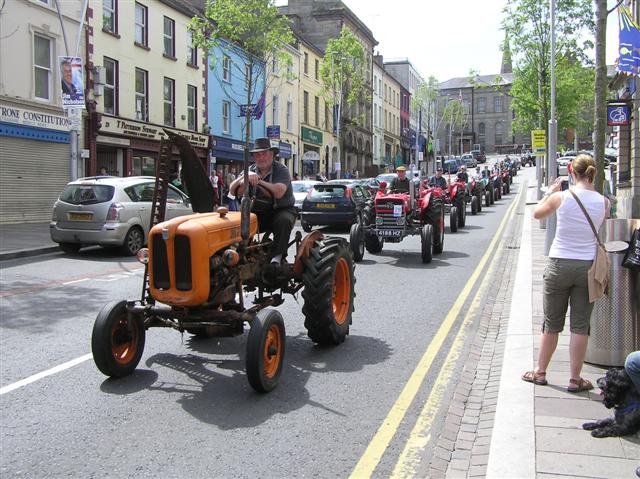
{"type": "Point", "coordinates": [182, 252]}
{"type": "Point", "coordinates": [384, 215]}
{"type": "Point", "coordinates": [160, 263]}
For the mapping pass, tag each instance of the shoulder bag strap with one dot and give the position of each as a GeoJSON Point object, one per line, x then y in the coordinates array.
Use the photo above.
{"type": "Point", "coordinates": [584, 210]}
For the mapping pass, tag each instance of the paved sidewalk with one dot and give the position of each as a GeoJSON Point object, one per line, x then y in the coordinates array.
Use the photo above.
{"type": "Point", "coordinates": [25, 239]}
{"type": "Point", "coordinates": [500, 426]}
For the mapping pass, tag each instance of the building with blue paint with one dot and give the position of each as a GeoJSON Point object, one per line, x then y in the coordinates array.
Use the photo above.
{"type": "Point", "coordinates": [226, 100]}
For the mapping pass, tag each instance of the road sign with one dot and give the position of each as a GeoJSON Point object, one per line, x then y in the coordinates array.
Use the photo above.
{"type": "Point", "coordinates": [273, 132]}
{"type": "Point", "coordinates": [539, 142]}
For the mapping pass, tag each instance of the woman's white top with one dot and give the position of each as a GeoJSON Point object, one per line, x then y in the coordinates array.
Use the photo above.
{"type": "Point", "coordinates": [574, 238]}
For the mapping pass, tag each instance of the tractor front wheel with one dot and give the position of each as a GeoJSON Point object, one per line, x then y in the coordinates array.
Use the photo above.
{"type": "Point", "coordinates": [328, 291]}
{"type": "Point", "coordinates": [426, 237]}
{"type": "Point", "coordinates": [356, 241]}
{"type": "Point", "coordinates": [453, 219]}
{"type": "Point", "coordinates": [306, 227]}
{"type": "Point", "coordinates": [487, 198]}
{"type": "Point", "coordinates": [117, 341]}
{"type": "Point", "coordinates": [438, 235]}
{"type": "Point", "coordinates": [265, 350]}
{"type": "Point", "coordinates": [462, 213]}
{"type": "Point", "coordinates": [474, 205]}
{"type": "Point", "coordinates": [373, 243]}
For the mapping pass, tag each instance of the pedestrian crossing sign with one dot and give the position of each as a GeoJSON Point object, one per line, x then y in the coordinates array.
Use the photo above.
{"type": "Point", "coordinates": [539, 142]}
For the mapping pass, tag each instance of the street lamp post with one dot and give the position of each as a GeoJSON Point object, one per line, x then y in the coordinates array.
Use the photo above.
{"type": "Point", "coordinates": [337, 106]}
{"type": "Point", "coordinates": [553, 126]}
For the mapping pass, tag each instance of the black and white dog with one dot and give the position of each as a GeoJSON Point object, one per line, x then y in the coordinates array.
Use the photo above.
{"type": "Point", "coordinates": [620, 393]}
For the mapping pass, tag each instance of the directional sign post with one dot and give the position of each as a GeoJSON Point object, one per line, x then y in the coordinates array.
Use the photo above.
{"type": "Point", "coordinates": [539, 142]}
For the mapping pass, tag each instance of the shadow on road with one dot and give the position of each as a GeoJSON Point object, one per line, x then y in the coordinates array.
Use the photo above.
{"type": "Point", "coordinates": [217, 391]}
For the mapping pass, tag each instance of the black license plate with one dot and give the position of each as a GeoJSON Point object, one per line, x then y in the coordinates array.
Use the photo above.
{"type": "Point", "coordinates": [390, 233]}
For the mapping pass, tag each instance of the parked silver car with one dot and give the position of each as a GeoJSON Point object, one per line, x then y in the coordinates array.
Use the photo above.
{"type": "Point", "coordinates": [110, 211]}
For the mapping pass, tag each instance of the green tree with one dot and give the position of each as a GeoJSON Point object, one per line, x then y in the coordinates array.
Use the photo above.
{"type": "Point", "coordinates": [455, 116]}
{"type": "Point", "coordinates": [259, 30]}
{"type": "Point", "coordinates": [527, 24]}
{"type": "Point", "coordinates": [424, 99]}
{"type": "Point", "coordinates": [343, 75]}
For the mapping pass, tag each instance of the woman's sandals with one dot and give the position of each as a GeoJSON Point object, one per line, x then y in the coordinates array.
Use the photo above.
{"type": "Point", "coordinates": [539, 379]}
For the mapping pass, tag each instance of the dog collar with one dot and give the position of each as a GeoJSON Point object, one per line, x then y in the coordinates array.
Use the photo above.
{"type": "Point", "coordinates": [630, 407]}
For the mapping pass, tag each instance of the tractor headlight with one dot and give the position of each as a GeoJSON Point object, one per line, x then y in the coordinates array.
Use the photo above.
{"type": "Point", "coordinates": [379, 220]}
{"type": "Point", "coordinates": [400, 220]}
{"type": "Point", "coordinates": [143, 255]}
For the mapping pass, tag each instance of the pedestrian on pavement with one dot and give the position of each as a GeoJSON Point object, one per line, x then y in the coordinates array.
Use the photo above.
{"type": "Point", "coordinates": [565, 277]}
{"type": "Point", "coordinates": [103, 171]}
{"type": "Point", "coordinates": [632, 367]}
{"type": "Point", "coordinates": [214, 182]}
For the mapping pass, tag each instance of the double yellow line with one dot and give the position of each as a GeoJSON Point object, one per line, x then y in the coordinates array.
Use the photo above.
{"type": "Point", "coordinates": [419, 438]}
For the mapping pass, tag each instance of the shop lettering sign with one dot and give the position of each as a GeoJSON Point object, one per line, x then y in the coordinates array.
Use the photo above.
{"type": "Point", "coordinates": [311, 136]}
{"type": "Point", "coordinates": [147, 131]}
{"type": "Point", "coordinates": [27, 117]}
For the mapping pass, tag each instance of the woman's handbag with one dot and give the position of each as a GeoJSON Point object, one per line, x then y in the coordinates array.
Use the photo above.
{"type": "Point", "coordinates": [598, 275]}
{"type": "Point", "coordinates": [631, 258]}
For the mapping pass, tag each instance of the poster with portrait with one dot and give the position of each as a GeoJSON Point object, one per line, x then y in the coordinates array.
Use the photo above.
{"type": "Point", "coordinates": [71, 82]}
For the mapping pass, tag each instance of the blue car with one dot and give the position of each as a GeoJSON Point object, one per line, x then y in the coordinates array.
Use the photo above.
{"type": "Point", "coordinates": [450, 166]}
{"type": "Point", "coordinates": [333, 204]}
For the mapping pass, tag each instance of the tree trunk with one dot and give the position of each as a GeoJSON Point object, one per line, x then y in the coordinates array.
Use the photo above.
{"type": "Point", "coordinates": [600, 115]}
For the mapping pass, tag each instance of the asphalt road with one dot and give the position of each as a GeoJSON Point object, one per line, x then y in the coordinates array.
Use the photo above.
{"type": "Point", "coordinates": [188, 410]}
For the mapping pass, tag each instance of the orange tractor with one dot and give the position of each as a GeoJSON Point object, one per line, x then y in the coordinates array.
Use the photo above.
{"type": "Point", "coordinates": [200, 268]}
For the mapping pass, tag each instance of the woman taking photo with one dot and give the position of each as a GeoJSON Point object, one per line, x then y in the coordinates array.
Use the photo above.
{"type": "Point", "coordinates": [565, 276]}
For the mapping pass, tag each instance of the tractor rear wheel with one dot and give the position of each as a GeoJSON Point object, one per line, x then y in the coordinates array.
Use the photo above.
{"type": "Point", "coordinates": [117, 343]}
{"type": "Point", "coordinates": [328, 291]}
{"type": "Point", "coordinates": [265, 350]}
{"type": "Point", "coordinates": [453, 219]}
{"type": "Point", "coordinates": [356, 241]}
{"type": "Point", "coordinates": [426, 237]}
{"type": "Point", "coordinates": [373, 243]}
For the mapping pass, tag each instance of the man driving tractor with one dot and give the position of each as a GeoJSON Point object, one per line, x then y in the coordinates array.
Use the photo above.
{"type": "Point", "coordinates": [400, 184]}
{"type": "Point", "coordinates": [438, 180]}
{"type": "Point", "coordinates": [463, 175]}
{"type": "Point", "coordinates": [274, 201]}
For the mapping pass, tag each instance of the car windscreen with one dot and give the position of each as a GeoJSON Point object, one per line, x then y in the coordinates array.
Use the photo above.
{"type": "Point", "coordinates": [87, 194]}
{"type": "Point", "coordinates": [301, 187]}
{"type": "Point", "coordinates": [327, 192]}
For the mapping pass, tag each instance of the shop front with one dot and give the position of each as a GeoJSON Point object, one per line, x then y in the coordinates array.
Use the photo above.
{"type": "Point", "coordinates": [34, 160]}
{"type": "Point", "coordinates": [311, 143]}
{"type": "Point", "coordinates": [130, 148]}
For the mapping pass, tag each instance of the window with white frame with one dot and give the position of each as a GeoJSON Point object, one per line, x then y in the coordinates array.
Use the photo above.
{"type": "Point", "coordinates": [306, 63]}
{"type": "Point", "coordinates": [482, 104]}
{"type": "Point", "coordinates": [142, 99]}
{"type": "Point", "coordinates": [317, 70]}
{"type": "Point", "coordinates": [290, 71]}
{"type": "Point", "coordinates": [274, 110]}
{"type": "Point", "coordinates": [109, 16]}
{"type": "Point", "coordinates": [289, 115]}
{"type": "Point", "coordinates": [110, 86]}
{"type": "Point", "coordinates": [169, 99]}
{"type": "Point", "coordinates": [497, 104]}
{"type": "Point", "coordinates": [316, 108]}
{"type": "Point", "coordinates": [192, 108]}
{"type": "Point", "coordinates": [192, 52]}
{"type": "Point", "coordinates": [305, 107]}
{"type": "Point", "coordinates": [42, 75]}
{"type": "Point", "coordinates": [226, 117]}
{"type": "Point", "coordinates": [168, 35]}
{"type": "Point", "coordinates": [141, 24]}
{"type": "Point", "coordinates": [226, 68]}
{"type": "Point", "coordinates": [499, 133]}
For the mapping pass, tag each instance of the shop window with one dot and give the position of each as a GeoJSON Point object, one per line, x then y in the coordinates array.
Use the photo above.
{"type": "Point", "coordinates": [226, 111]}
{"type": "Point", "coordinates": [42, 67]}
{"type": "Point", "coordinates": [110, 15]}
{"type": "Point", "coordinates": [141, 30]}
{"type": "Point", "coordinates": [192, 52]}
{"type": "Point", "coordinates": [144, 166]}
{"type": "Point", "coordinates": [110, 86]}
{"type": "Point", "coordinates": [192, 109]}
{"type": "Point", "coordinates": [168, 37]}
{"type": "Point", "coordinates": [169, 102]}
{"type": "Point", "coordinates": [226, 68]}
{"type": "Point", "coordinates": [142, 99]}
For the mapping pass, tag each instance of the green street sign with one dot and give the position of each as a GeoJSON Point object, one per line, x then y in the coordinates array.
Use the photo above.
{"type": "Point", "coordinates": [311, 136]}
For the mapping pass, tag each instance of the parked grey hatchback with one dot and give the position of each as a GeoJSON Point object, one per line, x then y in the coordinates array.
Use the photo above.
{"type": "Point", "coordinates": [110, 211]}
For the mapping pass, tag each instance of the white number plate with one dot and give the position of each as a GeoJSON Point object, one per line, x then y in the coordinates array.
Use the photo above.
{"type": "Point", "coordinates": [389, 232]}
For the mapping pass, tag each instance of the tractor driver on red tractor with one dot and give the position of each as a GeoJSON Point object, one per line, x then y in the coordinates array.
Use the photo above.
{"type": "Point", "coordinates": [274, 201]}
{"type": "Point", "coordinates": [463, 175]}
{"type": "Point", "coordinates": [400, 184]}
{"type": "Point", "coordinates": [438, 180]}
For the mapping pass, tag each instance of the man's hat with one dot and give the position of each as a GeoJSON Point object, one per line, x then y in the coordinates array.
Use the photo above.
{"type": "Point", "coordinates": [264, 144]}
{"type": "Point", "coordinates": [439, 168]}
{"type": "Point", "coordinates": [401, 168]}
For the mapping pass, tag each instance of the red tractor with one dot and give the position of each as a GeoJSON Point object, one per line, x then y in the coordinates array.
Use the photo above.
{"type": "Point", "coordinates": [455, 203]}
{"type": "Point", "coordinates": [400, 214]}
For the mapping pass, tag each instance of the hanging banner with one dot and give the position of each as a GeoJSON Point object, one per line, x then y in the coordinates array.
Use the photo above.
{"type": "Point", "coordinates": [71, 82]}
{"type": "Point", "coordinates": [629, 43]}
